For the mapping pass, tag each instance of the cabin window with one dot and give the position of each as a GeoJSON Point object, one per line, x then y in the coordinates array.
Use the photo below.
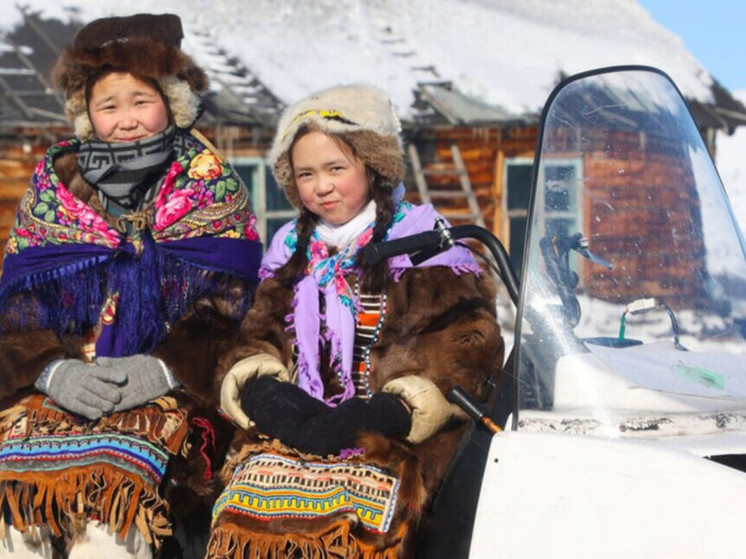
{"type": "Point", "coordinates": [515, 206]}
{"type": "Point", "coordinates": [559, 213]}
{"type": "Point", "coordinates": [270, 205]}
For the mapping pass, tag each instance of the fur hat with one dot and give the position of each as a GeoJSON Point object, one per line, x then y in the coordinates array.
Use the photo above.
{"type": "Point", "coordinates": [145, 45]}
{"type": "Point", "coordinates": [363, 115]}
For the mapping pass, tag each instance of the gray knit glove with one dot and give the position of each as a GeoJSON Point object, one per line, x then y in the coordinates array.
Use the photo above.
{"type": "Point", "coordinates": [81, 388]}
{"type": "Point", "coordinates": [147, 378]}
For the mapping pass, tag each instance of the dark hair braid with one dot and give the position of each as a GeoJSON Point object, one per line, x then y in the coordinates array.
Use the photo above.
{"type": "Point", "coordinates": [374, 277]}
{"type": "Point", "coordinates": [295, 267]}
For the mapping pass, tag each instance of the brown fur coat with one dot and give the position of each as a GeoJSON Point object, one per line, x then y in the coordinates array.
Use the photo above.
{"type": "Point", "coordinates": [191, 350]}
{"type": "Point", "coordinates": [439, 325]}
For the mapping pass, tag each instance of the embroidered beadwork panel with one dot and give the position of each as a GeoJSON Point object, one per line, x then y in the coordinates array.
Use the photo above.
{"type": "Point", "coordinates": [269, 486]}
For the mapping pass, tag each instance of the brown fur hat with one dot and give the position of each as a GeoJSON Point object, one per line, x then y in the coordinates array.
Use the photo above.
{"type": "Point", "coordinates": [362, 115]}
{"type": "Point", "coordinates": [145, 45]}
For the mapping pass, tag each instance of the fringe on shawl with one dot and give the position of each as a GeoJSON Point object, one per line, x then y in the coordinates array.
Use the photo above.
{"type": "Point", "coordinates": [63, 499]}
{"type": "Point", "coordinates": [334, 541]}
{"type": "Point", "coordinates": [153, 290]}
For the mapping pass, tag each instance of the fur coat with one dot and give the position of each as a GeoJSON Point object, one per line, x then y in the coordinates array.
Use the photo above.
{"type": "Point", "coordinates": [192, 338]}
{"type": "Point", "coordinates": [438, 324]}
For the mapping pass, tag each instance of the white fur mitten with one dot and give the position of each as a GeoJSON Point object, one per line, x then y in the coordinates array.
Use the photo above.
{"type": "Point", "coordinates": [243, 372]}
{"type": "Point", "coordinates": [430, 409]}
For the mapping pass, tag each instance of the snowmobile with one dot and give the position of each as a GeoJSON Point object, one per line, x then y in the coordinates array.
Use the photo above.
{"type": "Point", "coordinates": [621, 428]}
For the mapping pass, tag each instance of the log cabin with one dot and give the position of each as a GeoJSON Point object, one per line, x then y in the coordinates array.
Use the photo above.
{"type": "Point", "coordinates": [472, 160]}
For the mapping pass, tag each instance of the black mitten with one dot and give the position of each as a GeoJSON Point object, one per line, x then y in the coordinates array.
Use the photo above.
{"type": "Point", "coordinates": [287, 412]}
{"type": "Point", "coordinates": [279, 408]}
{"type": "Point", "coordinates": [388, 415]}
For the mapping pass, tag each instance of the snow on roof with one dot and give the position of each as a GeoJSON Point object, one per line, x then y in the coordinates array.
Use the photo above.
{"type": "Point", "coordinates": [503, 53]}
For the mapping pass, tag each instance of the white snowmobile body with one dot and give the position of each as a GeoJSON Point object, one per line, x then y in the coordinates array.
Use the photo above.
{"type": "Point", "coordinates": [627, 437]}
{"type": "Point", "coordinates": [625, 417]}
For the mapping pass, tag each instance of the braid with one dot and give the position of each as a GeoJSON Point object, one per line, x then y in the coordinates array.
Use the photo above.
{"type": "Point", "coordinates": [374, 277]}
{"type": "Point", "coordinates": [294, 268]}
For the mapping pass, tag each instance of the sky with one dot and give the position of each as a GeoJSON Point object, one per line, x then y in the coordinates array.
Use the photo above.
{"type": "Point", "coordinates": [712, 30]}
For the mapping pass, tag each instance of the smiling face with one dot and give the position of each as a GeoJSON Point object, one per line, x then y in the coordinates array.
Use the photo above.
{"type": "Point", "coordinates": [332, 182]}
{"type": "Point", "coordinates": [124, 108]}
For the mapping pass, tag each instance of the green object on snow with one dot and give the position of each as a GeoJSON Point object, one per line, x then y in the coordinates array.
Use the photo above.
{"type": "Point", "coordinates": [703, 376]}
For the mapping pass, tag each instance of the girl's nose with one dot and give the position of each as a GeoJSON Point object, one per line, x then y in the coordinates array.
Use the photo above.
{"type": "Point", "coordinates": [325, 186]}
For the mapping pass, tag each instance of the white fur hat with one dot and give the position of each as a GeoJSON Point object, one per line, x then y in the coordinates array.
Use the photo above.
{"type": "Point", "coordinates": [363, 115]}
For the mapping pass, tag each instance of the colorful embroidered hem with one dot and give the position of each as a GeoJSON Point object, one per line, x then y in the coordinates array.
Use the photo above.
{"type": "Point", "coordinates": [270, 486]}
{"type": "Point", "coordinates": [279, 503]}
{"type": "Point", "coordinates": [57, 470]}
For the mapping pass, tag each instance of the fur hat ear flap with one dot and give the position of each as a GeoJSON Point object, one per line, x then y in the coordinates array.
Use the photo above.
{"type": "Point", "coordinates": [183, 102]}
{"type": "Point", "coordinates": [76, 111]}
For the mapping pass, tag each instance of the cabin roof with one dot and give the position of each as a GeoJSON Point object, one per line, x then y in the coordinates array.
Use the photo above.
{"type": "Point", "coordinates": [240, 96]}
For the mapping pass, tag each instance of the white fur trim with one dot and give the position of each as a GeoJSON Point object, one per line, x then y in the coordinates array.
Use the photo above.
{"type": "Point", "coordinates": [356, 107]}
{"type": "Point", "coordinates": [183, 102]}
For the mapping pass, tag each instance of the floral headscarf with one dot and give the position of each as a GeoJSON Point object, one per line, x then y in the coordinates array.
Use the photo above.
{"type": "Point", "coordinates": [129, 288]}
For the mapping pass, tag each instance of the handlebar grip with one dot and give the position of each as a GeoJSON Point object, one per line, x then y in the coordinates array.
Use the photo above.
{"type": "Point", "coordinates": [425, 241]}
{"type": "Point", "coordinates": [457, 396]}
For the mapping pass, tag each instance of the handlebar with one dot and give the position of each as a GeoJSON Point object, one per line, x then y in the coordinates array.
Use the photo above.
{"type": "Point", "coordinates": [428, 242]}
{"type": "Point", "coordinates": [425, 245]}
{"type": "Point", "coordinates": [457, 396]}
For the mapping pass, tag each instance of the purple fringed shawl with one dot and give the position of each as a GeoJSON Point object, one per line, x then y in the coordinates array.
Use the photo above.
{"type": "Point", "coordinates": [325, 278]}
{"type": "Point", "coordinates": [84, 275]}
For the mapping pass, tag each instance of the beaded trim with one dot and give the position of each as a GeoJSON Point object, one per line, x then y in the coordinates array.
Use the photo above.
{"type": "Point", "coordinates": [364, 340]}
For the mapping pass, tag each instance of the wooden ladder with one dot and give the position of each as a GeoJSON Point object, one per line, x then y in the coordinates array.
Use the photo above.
{"type": "Point", "coordinates": [465, 192]}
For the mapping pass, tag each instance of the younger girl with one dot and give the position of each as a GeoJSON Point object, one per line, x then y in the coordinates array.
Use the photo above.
{"type": "Point", "coordinates": [342, 376]}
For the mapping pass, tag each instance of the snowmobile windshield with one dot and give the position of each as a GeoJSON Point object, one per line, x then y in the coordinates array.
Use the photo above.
{"type": "Point", "coordinates": [634, 277]}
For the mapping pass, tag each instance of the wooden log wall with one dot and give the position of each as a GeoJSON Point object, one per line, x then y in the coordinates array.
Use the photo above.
{"type": "Point", "coordinates": [484, 151]}
{"type": "Point", "coordinates": [618, 214]}
{"type": "Point", "coordinates": [16, 167]}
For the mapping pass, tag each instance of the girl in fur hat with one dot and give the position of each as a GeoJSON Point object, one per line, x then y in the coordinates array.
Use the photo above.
{"type": "Point", "coordinates": [132, 260]}
{"type": "Point", "coordinates": [341, 379]}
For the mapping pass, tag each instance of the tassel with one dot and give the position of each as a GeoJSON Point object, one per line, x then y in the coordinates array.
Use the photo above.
{"type": "Point", "coordinates": [208, 437]}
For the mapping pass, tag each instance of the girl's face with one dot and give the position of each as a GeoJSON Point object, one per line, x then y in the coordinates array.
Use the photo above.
{"type": "Point", "coordinates": [332, 183]}
{"type": "Point", "coordinates": [124, 108]}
